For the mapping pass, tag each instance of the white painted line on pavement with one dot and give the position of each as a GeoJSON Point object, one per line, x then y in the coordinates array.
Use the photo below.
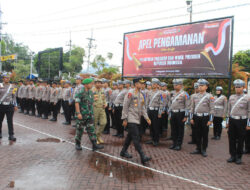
{"type": "Point", "coordinates": [123, 160]}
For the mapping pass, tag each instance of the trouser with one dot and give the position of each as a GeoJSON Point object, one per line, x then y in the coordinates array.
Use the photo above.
{"type": "Point", "coordinates": [100, 118]}
{"type": "Point", "coordinates": [7, 110]}
{"type": "Point", "coordinates": [247, 141]}
{"type": "Point", "coordinates": [54, 109]}
{"type": "Point", "coordinates": [89, 125]}
{"type": "Point", "coordinates": [201, 128]}
{"type": "Point", "coordinates": [26, 104]}
{"type": "Point", "coordinates": [155, 125]}
{"type": "Point", "coordinates": [67, 111]}
{"type": "Point", "coordinates": [22, 103]}
{"type": "Point", "coordinates": [45, 108]}
{"type": "Point", "coordinates": [72, 108]}
{"type": "Point", "coordinates": [59, 105]}
{"type": "Point", "coordinates": [31, 106]}
{"type": "Point", "coordinates": [178, 127]}
{"type": "Point", "coordinates": [113, 120]}
{"type": "Point", "coordinates": [107, 127]}
{"type": "Point", "coordinates": [39, 107]}
{"type": "Point", "coordinates": [217, 126]}
{"type": "Point", "coordinates": [163, 122]}
{"type": "Point", "coordinates": [143, 126]}
{"type": "Point", "coordinates": [118, 119]}
{"type": "Point", "coordinates": [236, 135]}
{"type": "Point", "coordinates": [133, 135]}
{"type": "Point", "coordinates": [193, 134]}
{"type": "Point", "coordinates": [18, 101]}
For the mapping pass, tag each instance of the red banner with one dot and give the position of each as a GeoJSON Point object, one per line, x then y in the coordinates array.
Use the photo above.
{"type": "Point", "coordinates": [200, 49]}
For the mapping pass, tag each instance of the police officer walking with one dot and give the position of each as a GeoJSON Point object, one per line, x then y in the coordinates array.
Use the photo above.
{"type": "Point", "coordinates": [238, 121]}
{"type": "Point", "coordinates": [7, 105]}
{"type": "Point", "coordinates": [133, 109]}
{"type": "Point", "coordinates": [179, 113]}
{"type": "Point", "coordinates": [202, 110]}
{"type": "Point", "coordinates": [220, 108]}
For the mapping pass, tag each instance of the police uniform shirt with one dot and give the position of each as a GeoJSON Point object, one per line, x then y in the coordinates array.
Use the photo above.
{"type": "Point", "coordinates": [46, 94]}
{"type": "Point", "coordinates": [53, 95]}
{"type": "Point", "coordinates": [66, 94]}
{"type": "Point", "coordinates": [8, 94]}
{"type": "Point", "coordinates": [31, 91]}
{"type": "Point", "coordinates": [20, 91]}
{"type": "Point", "coordinates": [120, 97]}
{"type": "Point", "coordinates": [25, 91]}
{"type": "Point", "coordinates": [155, 99]}
{"type": "Point", "coordinates": [134, 107]}
{"type": "Point", "coordinates": [206, 106]}
{"type": "Point", "coordinates": [179, 101]}
{"type": "Point", "coordinates": [242, 108]}
{"type": "Point", "coordinates": [220, 106]}
{"type": "Point", "coordinates": [107, 92]}
{"type": "Point", "coordinates": [113, 96]}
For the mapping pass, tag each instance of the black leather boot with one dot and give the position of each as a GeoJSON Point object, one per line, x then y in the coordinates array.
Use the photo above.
{"type": "Point", "coordinates": [78, 145]}
{"type": "Point", "coordinates": [144, 158]}
{"type": "Point", "coordinates": [96, 146]}
{"type": "Point", "coordinates": [12, 138]}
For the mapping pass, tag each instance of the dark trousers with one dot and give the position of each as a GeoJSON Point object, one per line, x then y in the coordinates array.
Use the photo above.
{"type": "Point", "coordinates": [155, 125]}
{"type": "Point", "coordinates": [113, 120]}
{"type": "Point", "coordinates": [39, 107]}
{"type": "Point", "coordinates": [247, 141]}
{"type": "Point", "coordinates": [22, 103]}
{"type": "Point", "coordinates": [67, 111]}
{"type": "Point", "coordinates": [133, 135]}
{"type": "Point", "coordinates": [193, 134]}
{"type": "Point", "coordinates": [54, 109]}
{"type": "Point", "coordinates": [18, 101]}
{"type": "Point", "coordinates": [59, 105]}
{"type": "Point", "coordinates": [178, 127]}
{"type": "Point", "coordinates": [72, 109]}
{"type": "Point", "coordinates": [118, 120]}
{"type": "Point", "coordinates": [143, 126]}
{"type": "Point", "coordinates": [45, 108]}
{"type": "Point", "coordinates": [108, 112]}
{"type": "Point", "coordinates": [26, 104]}
{"type": "Point", "coordinates": [31, 106]}
{"type": "Point", "coordinates": [201, 129]}
{"type": "Point", "coordinates": [164, 122]}
{"type": "Point", "coordinates": [236, 135]}
{"type": "Point", "coordinates": [7, 110]}
{"type": "Point", "coordinates": [217, 126]}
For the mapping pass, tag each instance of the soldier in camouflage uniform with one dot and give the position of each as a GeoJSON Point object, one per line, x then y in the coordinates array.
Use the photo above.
{"type": "Point", "coordinates": [84, 111]}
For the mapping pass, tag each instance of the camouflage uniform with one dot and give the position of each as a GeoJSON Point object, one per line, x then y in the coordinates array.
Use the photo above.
{"type": "Point", "coordinates": [85, 100]}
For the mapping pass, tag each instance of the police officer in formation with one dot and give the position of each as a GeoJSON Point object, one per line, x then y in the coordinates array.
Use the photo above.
{"type": "Point", "coordinates": [238, 121]}
{"type": "Point", "coordinates": [7, 105]}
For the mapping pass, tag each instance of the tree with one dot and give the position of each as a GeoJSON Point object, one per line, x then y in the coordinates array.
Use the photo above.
{"type": "Point", "coordinates": [243, 59]}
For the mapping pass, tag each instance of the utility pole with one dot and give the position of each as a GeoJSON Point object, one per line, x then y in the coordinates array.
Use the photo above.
{"type": "Point", "coordinates": [90, 46]}
{"type": "Point", "coordinates": [190, 8]}
{"type": "Point", "coordinates": [70, 46]}
{"type": "Point", "coordinates": [31, 63]}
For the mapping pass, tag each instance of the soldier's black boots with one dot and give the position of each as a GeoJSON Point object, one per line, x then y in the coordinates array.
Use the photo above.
{"type": "Point", "coordinates": [125, 154]}
{"type": "Point", "coordinates": [144, 158]}
{"type": "Point", "coordinates": [78, 145]}
{"type": "Point", "coordinates": [96, 146]}
{"type": "Point", "coordinates": [204, 153]}
{"type": "Point", "coordinates": [53, 119]}
{"type": "Point", "coordinates": [238, 160]}
{"type": "Point", "coordinates": [177, 148]}
{"type": "Point", "coordinates": [12, 138]}
{"type": "Point", "coordinates": [196, 152]}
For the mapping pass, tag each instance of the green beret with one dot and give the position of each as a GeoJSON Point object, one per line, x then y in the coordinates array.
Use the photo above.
{"type": "Point", "coordinates": [87, 81]}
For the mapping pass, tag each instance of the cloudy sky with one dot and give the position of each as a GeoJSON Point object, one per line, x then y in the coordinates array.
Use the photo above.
{"type": "Point", "coordinates": [44, 24]}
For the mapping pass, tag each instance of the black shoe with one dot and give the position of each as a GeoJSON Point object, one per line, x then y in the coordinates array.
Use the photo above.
{"type": "Point", "coordinates": [155, 143]}
{"type": "Point", "coordinates": [125, 154]}
{"type": "Point", "coordinates": [246, 151]}
{"type": "Point", "coordinates": [105, 132]}
{"type": "Point", "coordinates": [204, 153]}
{"type": "Point", "coordinates": [213, 138]}
{"type": "Point", "coordinates": [66, 123]}
{"type": "Point", "coordinates": [45, 118]}
{"type": "Point", "coordinates": [53, 119]}
{"type": "Point", "coordinates": [217, 138]}
{"type": "Point", "coordinates": [145, 159]}
{"type": "Point", "coordinates": [177, 148]}
{"type": "Point", "coordinates": [172, 147]}
{"type": "Point", "coordinates": [238, 161]}
{"type": "Point", "coordinates": [96, 146]}
{"type": "Point", "coordinates": [38, 115]}
{"type": "Point", "coordinates": [121, 136]}
{"type": "Point", "coordinates": [149, 142]}
{"type": "Point", "coordinates": [26, 113]}
{"type": "Point", "coordinates": [12, 138]}
{"type": "Point", "coordinates": [231, 159]}
{"type": "Point", "coordinates": [196, 152]}
{"type": "Point", "coordinates": [191, 142]}
{"type": "Point", "coordinates": [78, 145]}
{"type": "Point", "coordinates": [116, 135]}
{"type": "Point", "coordinates": [1, 135]}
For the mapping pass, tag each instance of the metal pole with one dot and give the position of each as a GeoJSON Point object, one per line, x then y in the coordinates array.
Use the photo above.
{"type": "Point", "coordinates": [49, 67]}
{"type": "Point", "coordinates": [31, 59]}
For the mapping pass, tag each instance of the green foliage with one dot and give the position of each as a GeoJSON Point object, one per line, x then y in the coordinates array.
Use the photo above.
{"type": "Point", "coordinates": [243, 59]}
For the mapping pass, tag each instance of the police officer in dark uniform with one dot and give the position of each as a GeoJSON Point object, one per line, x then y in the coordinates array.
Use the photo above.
{"type": "Point", "coordinates": [7, 105]}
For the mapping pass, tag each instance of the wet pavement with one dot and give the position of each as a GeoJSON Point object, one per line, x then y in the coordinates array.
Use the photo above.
{"type": "Point", "coordinates": [44, 158]}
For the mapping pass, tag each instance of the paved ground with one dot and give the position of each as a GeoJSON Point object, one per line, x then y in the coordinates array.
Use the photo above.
{"type": "Point", "coordinates": [44, 158]}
